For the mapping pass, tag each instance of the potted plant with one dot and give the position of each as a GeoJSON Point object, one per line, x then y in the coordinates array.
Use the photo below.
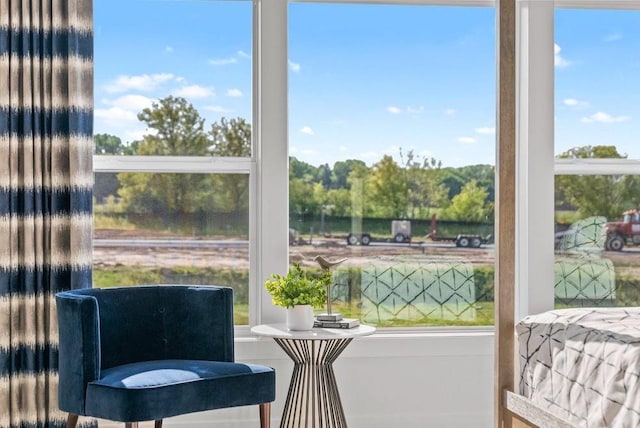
{"type": "Point", "coordinates": [299, 292]}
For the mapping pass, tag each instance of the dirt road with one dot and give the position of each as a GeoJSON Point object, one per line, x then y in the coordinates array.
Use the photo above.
{"type": "Point", "coordinates": [237, 257]}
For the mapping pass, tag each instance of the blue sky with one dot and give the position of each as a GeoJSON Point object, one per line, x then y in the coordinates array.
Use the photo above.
{"type": "Point", "coordinates": [598, 79]}
{"type": "Point", "coordinates": [364, 80]}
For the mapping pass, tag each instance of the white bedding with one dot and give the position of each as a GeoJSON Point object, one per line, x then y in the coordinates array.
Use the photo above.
{"type": "Point", "coordinates": [583, 364]}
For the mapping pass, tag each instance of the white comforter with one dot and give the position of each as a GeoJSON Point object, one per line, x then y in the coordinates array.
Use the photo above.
{"type": "Point", "coordinates": [583, 364]}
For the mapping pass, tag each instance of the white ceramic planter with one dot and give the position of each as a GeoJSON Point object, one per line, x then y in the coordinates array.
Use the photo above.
{"type": "Point", "coordinates": [300, 317]}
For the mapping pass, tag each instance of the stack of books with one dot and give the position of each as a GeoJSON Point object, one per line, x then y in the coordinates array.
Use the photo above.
{"type": "Point", "coordinates": [340, 323]}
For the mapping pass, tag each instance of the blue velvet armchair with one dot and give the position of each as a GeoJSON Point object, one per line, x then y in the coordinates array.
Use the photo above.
{"type": "Point", "coordinates": [145, 353]}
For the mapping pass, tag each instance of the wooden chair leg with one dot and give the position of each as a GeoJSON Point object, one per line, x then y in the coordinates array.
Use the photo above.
{"type": "Point", "coordinates": [265, 415]}
{"type": "Point", "coordinates": [72, 420]}
{"type": "Point", "coordinates": [158, 424]}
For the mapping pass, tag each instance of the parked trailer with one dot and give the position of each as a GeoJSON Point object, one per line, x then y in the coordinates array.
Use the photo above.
{"type": "Point", "coordinates": [464, 240]}
{"type": "Point", "coordinates": [358, 238]}
{"type": "Point", "coordinates": [400, 232]}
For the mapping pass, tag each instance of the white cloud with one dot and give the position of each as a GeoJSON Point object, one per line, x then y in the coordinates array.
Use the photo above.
{"type": "Point", "coordinates": [194, 91]}
{"type": "Point", "coordinates": [293, 150]}
{"type": "Point", "coordinates": [217, 109]}
{"type": "Point", "coordinates": [137, 134]}
{"type": "Point", "coordinates": [466, 140]}
{"type": "Point", "coordinates": [307, 130]}
{"type": "Point", "coordinates": [558, 60]}
{"type": "Point", "coordinates": [343, 148]}
{"type": "Point", "coordinates": [450, 111]}
{"type": "Point", "coordinates": [168, 49]}
{"type": "Point", "coordinates": [230, 60]}
{"type": "Point", "coordinates": [485, 130]}
{"type": "Point", "coordinates": [234, 92]}
{"type": "Point", "coordinates": [115, 115]}
{"type": "Point", "coordinates": [120, 117]}
{"type": "Point", "coordinates": [572, 102]}
{"type": "Point", "coordinates": [143, 82]}
{"type": "Point", "coordinates": [603, 118]}
{"type": "Point", "coordinates": [613, 37]}
{"type": "Point", "coordinates": [132, 102]}
{"type": "Point", "coordinates": [373, 155]}
{"type": "Point", "coordinates": [293, 66]}
{"type": "Point", "coordinates": [409, 109]}
{"type": "Point", "coordinates": [223, 61]}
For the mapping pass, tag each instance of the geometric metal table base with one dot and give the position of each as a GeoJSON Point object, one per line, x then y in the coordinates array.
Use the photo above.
{"type": "Point", "coordinates": [313, 400]}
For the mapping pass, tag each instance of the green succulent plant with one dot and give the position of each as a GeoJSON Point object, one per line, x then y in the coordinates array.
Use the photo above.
{"type": "Point", "coordinates": [299, 287]}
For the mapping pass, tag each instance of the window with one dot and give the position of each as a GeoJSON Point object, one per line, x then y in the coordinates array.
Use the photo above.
{"type": "Point", "coordinates": [173, 140]}
{"type": "Point", "coordinates": [596, 112]}
{"type": "Point", "coordinates": [363, 128]}
{"type": "Point", "coordinates": [392, 154]}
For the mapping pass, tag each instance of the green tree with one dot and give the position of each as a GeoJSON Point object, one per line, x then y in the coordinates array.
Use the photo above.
{"type": "Point", "coordinates": [324, 175]}
{"type": "Point", "coordinates": [340, 202]}
{"type": "Point", "coordinates": [131, 148]}
{"type": "Point", "coordinates": [358, 181]}
{"type": "Point", "coordinates": [301, 202]}
{"type": "Point", "coordinates": [231, 138]}
{"type": "Point", "coordinates": [105, 144]}
{"type": "Point", "coordinates": [455, 179]}
{"type": "Point", "coordinates": [389, 189]}
{"type": "Point", "coordinates": [606, 195]}
{"type": "Point", "coordinates": [470, 205]}
{"type": "Point", "coordinates": [319, 195]}
{"type": "Point", "coordinates": [302, 170]}
{"type": "Point", "coordinates": [308, 188]}
{"type": "Point", "coordinates": [106, 183]}
{"type": "Point", "coordinates": [176, 130]}
{"type": "Point", "coordinates": [341, 171]}
{"type": "Point", "coordinates": [484, 176]}
{"type": "Point", "coordinates": [423, 177]}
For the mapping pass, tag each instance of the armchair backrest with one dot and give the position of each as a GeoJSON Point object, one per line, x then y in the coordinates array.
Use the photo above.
{"type": "Point", "coordinates": [103, 328]}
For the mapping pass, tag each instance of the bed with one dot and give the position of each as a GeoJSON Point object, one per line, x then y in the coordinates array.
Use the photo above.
{"type": "Point", "coordinates": [582, 365]}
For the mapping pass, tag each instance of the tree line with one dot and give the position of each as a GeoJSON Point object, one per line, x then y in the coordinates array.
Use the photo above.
{"type": "Point", "coordinates": [411, 187]}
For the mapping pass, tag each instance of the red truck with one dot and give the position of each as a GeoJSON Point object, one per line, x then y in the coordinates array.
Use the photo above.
{"type": "Point", "coordinates": [625, 232]}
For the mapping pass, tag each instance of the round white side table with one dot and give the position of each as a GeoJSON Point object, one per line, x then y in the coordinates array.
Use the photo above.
{"type": "Point", "coordinates": [313, 399]}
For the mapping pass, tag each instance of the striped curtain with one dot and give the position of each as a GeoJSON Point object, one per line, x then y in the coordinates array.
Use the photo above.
{"type": "Point", "coordinates": [46, 126]}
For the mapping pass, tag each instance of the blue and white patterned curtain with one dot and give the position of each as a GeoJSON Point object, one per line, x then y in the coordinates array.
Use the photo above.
{"type": "Point", "coordinates": [46, 126]}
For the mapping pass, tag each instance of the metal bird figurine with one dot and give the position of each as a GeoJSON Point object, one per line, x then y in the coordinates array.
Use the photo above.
{"type": "Point", "coordinates": [326, 264]}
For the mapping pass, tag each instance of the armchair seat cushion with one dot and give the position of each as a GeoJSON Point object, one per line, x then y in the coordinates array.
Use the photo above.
{"type": "Point", "coordinates": [158, 389]}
